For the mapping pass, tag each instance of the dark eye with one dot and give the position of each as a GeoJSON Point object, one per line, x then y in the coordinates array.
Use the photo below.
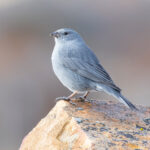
{"type": "Point", "coordinates": [65, 33]}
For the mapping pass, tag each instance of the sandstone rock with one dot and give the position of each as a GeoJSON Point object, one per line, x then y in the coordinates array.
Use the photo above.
{"type": "Point", "coordinates": [95, 125]}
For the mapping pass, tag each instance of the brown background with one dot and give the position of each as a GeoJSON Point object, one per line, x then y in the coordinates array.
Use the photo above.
{"type": "Point", "coordinates": [117, 31]}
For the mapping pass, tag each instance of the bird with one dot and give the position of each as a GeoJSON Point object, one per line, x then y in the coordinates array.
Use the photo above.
{"type": "Point", "coordinates": [78, 68]}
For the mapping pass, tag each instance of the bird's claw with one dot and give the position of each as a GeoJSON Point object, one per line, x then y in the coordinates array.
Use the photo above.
{"type": "Point", "coordinates": [81, 99]}
{"type": "Point", "coordinates": [63, 98]}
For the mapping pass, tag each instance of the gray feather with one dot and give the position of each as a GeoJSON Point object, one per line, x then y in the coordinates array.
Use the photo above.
{"type": "Point", "coordinates": [94, 72]}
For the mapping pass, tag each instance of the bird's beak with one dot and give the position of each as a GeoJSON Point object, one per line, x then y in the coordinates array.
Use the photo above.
{"type": "Point", "coordinates": [55, 34]}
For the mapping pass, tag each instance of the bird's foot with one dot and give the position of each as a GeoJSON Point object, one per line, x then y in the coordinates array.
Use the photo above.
{"type": "Point", "coordinates": [65, 99]}
{"type": "Point", "coordinates": [81, 99]}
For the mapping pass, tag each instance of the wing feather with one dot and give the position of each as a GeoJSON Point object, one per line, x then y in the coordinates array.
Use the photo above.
{"type": "Point", "coordinates": [94, 72]}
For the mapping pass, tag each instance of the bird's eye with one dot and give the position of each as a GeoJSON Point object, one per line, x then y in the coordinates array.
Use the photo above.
{"type": "Point", "coordinates": [65, 33]}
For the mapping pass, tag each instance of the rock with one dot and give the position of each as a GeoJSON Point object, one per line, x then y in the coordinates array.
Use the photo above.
{"type": "Point", "coordinates": [98, 125]}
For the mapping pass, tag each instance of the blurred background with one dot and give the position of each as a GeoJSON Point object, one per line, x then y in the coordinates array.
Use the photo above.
{"type": "Point", "coordinates": [117, 31]}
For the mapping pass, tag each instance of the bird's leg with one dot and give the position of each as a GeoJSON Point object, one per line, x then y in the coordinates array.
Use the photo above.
{"type": "Point", "coordinates": [82, 98]}
{"type": "Point", "coordinates": [86, 94]}
{"type": "Point", "coordinates": [72, 95]}
{"type": "Point", "coordinates": [67, 98]}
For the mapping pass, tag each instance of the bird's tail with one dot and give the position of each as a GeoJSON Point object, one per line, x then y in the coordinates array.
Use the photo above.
{"type": "Point", "coordinates": [117, 95]}
{"type": "Point", "coordinates": [125, 101]}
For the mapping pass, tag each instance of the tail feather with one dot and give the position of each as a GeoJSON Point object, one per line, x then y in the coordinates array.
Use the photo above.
{"type": "Point", "coordinates": [127, 102]}
{"type": "Point", "coordinates": [117, 95]}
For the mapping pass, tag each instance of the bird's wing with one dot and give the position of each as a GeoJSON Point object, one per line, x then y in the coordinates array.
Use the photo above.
{"type": "Point", "coordinates": [94, 72]}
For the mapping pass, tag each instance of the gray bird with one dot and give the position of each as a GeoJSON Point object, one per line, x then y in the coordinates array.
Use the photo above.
{"type": "Point", "coordinates": [78, 69]}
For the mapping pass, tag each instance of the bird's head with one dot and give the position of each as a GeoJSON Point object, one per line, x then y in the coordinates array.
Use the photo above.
{"type": "Point", "coordinates": [65, 35]}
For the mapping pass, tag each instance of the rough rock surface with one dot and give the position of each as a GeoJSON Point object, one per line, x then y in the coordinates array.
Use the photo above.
{"type": "Point", "coordinates": [95, 125]}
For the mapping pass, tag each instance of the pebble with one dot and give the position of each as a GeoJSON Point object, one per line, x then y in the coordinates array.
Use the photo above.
{"type": "Point", "coordinates": [79, 108]}
{"type": "Point", "coordinates": [78, 120]}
